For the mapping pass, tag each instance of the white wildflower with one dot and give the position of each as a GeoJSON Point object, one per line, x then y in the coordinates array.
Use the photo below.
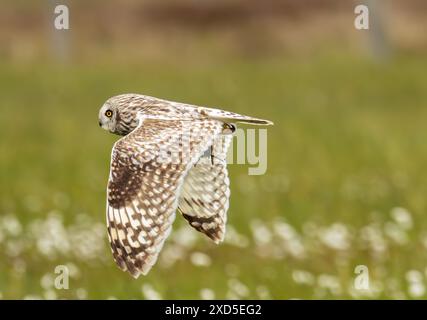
{"type": "Point", "coordinates": [239, 288]}
{"type": "Point", "coordinates": [207, 294]}
{"type": "Point", "coordinates": [200, 259]}
{"type": "Point", "coordinates": [303, 277]}
{"type": "Point", "coordinates": [335, 237]}
{"type": "Point", "coordinates": [261, 233]}
{"type": "Point", "coordinates": [150, 293]}
{"type": "Point", "coordinates": [81, 293]}
{"type": "Point", "coordinates": [402, 217]}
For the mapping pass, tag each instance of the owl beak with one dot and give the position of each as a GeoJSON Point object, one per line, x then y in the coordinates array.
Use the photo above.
{"type": "Point", "coordinates": [100, 124]}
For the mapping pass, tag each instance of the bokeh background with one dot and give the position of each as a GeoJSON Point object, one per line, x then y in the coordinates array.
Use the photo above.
{"type": "Point", "coordinates": [346, 179]}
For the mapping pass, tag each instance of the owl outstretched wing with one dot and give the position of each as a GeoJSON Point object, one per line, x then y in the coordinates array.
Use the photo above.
{"type": "Point", "coordinates": [148, 167]}
{"type": "Point", "coordinates": [205, 194]}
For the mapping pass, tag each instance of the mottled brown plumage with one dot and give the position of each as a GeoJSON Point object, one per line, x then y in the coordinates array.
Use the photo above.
{"type": "Point", "coordinates": [171, 156]}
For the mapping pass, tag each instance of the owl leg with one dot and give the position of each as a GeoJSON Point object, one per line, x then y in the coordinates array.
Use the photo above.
{"type": "Point", "coordinates": [228, 128]}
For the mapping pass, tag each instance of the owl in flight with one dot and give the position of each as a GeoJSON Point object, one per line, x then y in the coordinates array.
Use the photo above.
{"type": "Point", "coordinates": [171, 156]}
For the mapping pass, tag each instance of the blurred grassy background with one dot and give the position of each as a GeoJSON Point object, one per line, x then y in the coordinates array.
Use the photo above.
{"type": "Point", "coordinates": [345, 184]}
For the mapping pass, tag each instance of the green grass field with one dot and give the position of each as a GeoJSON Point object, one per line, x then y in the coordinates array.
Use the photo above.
{"type": "Point", "coordinates": [345, 186]}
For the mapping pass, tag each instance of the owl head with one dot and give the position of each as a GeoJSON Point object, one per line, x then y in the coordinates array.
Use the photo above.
{"type": "Point", "coordinates": [118, 114]}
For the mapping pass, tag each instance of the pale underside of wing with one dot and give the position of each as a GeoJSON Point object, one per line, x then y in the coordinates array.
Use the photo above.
{"type": "Point", "coordinates": [148, 168]}
{"type": "Point", "coordinates": [205, 194]}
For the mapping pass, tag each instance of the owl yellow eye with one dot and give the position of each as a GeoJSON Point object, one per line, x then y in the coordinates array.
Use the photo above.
{"type": "Point", "coordinates": [109, 113]}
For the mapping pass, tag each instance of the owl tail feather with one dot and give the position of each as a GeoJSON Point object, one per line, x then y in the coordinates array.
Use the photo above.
{"type": "Point", "coordinates": [255, 121]}
{"type": "Point", "coordinates": [230, 117]}
{"type": "Point", "coordinates": [244, 119]}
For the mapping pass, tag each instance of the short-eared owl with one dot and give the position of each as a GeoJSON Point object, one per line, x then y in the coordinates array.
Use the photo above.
{"type": "Point", "coordinates": [172, 156]}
